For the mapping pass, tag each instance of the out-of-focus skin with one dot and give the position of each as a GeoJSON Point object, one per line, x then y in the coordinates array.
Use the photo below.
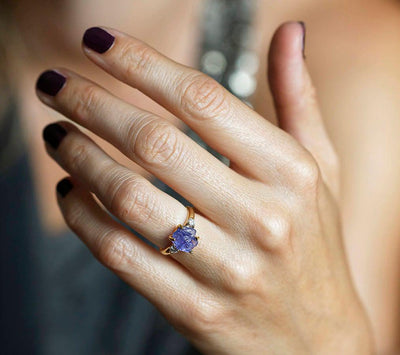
{"type": "Point", "coordinates": [353, 55]}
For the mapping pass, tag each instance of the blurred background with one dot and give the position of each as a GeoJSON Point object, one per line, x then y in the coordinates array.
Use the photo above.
{"type": "Point", "coordinates": [56, 299]}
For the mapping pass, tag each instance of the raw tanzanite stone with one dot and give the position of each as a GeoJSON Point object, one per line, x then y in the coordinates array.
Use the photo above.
{"type": "Point", "coordinates": [184, 239]}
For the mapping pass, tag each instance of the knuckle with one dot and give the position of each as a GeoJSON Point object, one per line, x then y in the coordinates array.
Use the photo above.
{"type": "Point", "coordinates": [206, 317]}
{"type": "Point", "coordinates": [202, 97]}
{"type": "Point", "coordinates": [130, 200]}
{"type": "Point", "coordinates": [131, 131]}
{"type": "Point", "coordinates": [74, 217]}
{"type": "Point", "coordinates": [115, 251]}
{"type": "Point", "coordinates": [306, 174]}
{"type": "Point", "coordinates": [157, 144]}
{"type": "Point", "coordinates": [271, 226]}
{"type": "Point", "coordinates": [136, 57]}
{"type": "Point", "coordinates": [243, 278]}
{"type": "Point", "coordinates": [86, 98]}
{"type": "Point", "coordinates": [76, 157]}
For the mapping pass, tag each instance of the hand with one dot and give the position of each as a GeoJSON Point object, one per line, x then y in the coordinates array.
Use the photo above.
{"type": "Point", "coordinates": [269, 275]}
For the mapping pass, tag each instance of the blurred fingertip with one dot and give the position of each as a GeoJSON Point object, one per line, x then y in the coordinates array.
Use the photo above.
{"type": "Point", "coordinates": [303, 42]}
{"type": "Point", "coordinates": [64, 187]}
{"type": "Point", "coordinates": [289, 38]}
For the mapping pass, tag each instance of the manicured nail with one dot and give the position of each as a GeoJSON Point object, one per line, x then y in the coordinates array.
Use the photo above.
{"type": "Point", "coordinates": [50, 82]}
{"type": "Point", "coordinates": [64, 186]}
{"type": "Point", "coordinates": [54, 134]}
{"type": "Point", "coordinates": [97, 39]}
{"type": "Point", "coordinates": [303, 48]}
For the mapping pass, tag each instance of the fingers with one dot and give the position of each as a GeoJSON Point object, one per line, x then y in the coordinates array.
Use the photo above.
{"type": "Point", "coordinates": [161, 280]}
{"type": "Point", "coordinates": [147, 139]}
{"type": "Point", "coordinates": [229, 126]}
{"type": "Point", "coordinates": [127, 195]}
{"type": "Point", "coordinates": [295, 99]}
{"type": "Point", "coordinates": [130, 197]}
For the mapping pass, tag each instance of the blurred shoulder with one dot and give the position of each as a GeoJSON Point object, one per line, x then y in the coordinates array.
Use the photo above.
{"type": "Point", "coordinates": [348, 43]}
{"type": "Point", "coordinates": [353, 54]}
{"type": "Point", "coordinates": [356, 34]}
{"type": "Point", "coordinates": [353, 48]}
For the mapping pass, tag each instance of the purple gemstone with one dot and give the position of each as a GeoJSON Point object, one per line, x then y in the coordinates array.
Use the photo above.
{"type": "Point", "coordinates": [185, 239]}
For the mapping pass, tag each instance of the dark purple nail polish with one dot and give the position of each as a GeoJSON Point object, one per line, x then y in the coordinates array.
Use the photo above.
{"type": "Point", "coordinates": [54, 134]}
{"type": "Point", "coordinates": [303, 25]}
{"type": "Point", "coordinates": [97, 39]}
{"type": "Point", "coordinates": [50, 82]}
{"type": "Point", "coordinates": [64, 186]}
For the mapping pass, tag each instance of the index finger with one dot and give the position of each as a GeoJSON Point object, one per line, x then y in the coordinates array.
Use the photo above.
{"type": "Point", "coordinates": [221, 120]}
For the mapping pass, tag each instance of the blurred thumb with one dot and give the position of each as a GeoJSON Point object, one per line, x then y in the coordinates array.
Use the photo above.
{"type": "Point", "coordinates": [295, 99]}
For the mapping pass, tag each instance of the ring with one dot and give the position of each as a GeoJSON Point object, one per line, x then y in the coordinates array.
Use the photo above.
{"type": "Point", "coordinates": [183, 237]}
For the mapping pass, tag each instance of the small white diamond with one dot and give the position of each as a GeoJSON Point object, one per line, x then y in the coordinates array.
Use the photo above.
{"type": "Point", "coordinates": [190, 222]}
{"type": "Point", "coordinates": [172, 249]}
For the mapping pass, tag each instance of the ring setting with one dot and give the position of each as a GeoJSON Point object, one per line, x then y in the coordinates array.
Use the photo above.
{"type": "Point", "coordinates": [183, 237]}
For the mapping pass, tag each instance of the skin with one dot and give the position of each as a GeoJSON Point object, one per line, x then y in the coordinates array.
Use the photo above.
{"type": "Point", "coordinates": [344, 40]}
{"type": "Point", "coordinates": [265, 278]}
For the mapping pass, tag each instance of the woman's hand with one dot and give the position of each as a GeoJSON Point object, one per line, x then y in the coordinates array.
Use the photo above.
{"type": "Point", "coordinates": [269, 275]}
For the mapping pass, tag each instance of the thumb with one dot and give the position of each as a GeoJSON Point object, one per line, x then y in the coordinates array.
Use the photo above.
{"type": "Point", "coordinates": [295, 99]}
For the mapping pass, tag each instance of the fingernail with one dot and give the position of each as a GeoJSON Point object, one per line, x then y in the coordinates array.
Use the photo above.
{"type": "Point", "coordinates": [97, 39]}
{"type": "Point", "coordinates": [64, 186]}
{"type": "Point", "coordinates": [303, 48]}
{"type": "Point", "coordinates": [50, 82]}
{"type": "Point", "coordinates": [54, 134]}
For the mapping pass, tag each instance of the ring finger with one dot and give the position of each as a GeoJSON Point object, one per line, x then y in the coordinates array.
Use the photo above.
{"type": "Point", "coordinates": [167, 285]}
{"type": "Point", "coordinates": [130, 197]}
